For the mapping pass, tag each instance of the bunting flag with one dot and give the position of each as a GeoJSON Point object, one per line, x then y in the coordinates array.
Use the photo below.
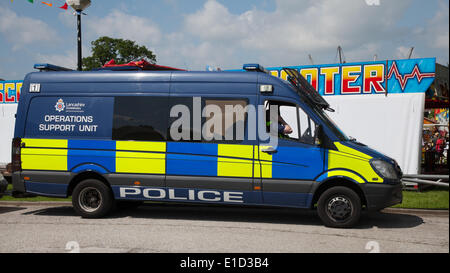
{"type": "Point", "coordinates": [64, 7]}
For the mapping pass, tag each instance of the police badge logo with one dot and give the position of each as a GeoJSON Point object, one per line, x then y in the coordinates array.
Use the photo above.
{"type": "Point", "coordinates": [60, 105]}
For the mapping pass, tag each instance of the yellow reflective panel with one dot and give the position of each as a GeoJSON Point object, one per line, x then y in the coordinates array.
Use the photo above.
{"type": "Point", "coordinates": [148, 163]}
{"type": "Point", "coordinates": [45, 143]}
{"type": "Point", "coordinates": [44, 159]}
{"type": "Point", "coordinates": [141, 146]}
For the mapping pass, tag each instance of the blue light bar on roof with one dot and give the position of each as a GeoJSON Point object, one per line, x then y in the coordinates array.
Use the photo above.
{"type": "Point", "coordinates": [50, 67]}
{"type": "Point", "coordinates": [255, 68]}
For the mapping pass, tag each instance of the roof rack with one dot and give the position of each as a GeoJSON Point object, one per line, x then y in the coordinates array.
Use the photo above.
{"type": "Point", "coordinates": [140, 65]}
{"type": "Point", "coordinates": [50, 67]}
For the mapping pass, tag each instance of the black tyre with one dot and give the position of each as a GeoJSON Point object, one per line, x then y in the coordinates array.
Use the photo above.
{"type": "Point", "coordinates": [92, 199]}
{"type": "Point", "coordinates": [339, 207]}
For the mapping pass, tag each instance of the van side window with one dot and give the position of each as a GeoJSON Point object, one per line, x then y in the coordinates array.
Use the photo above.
{"type": "Point", "coordinates": [307, 128]}
{"type": "Point", "coordinates": [140, 118]}
{"type": "Point", "coordinates": [214, 120]}
{"type": "Point", "coordinates": [227, 122]}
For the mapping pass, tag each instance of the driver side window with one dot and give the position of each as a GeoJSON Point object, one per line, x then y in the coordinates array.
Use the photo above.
{"type": "Point", "coordinates": [284, 124]}
{"type": "Point", "coordinates": [292, 123]}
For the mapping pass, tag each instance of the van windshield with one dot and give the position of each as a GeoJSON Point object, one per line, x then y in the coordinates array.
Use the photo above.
{"type": "Point", "coordinates": [330, 124]}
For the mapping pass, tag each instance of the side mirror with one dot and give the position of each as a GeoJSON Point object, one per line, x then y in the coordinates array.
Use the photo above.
{"type": "Point", "coordinates": [319, 136]}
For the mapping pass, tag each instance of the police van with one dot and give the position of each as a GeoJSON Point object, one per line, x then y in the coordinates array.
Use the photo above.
{"type": "Point", "coordinates": [120, 135]}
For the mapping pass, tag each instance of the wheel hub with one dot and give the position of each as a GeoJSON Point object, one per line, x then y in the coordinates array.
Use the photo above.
{"type": "Point", "coordinates": [339, 208]}
{"type": "Point", "coordinates": [90, 199]}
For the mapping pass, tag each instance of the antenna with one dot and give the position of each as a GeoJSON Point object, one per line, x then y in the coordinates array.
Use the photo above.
{"type": "Point", "coordinates": [310, 59]}
{"type": "Point", "coordinates": [410, 52]}
{"type": "Point", "coordinates": [341, 55]}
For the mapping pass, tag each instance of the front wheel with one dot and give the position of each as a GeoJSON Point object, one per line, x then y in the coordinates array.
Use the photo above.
{"type": "Point", "coordinates": [92, 199]}
{"type": "Point", "coordinates": [339, 207]}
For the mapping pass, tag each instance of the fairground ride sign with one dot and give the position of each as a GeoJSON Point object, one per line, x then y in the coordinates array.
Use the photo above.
{"type": "Point", "coordinates": [381, 77]}
{"type": "Point", "coordinates": [392, 76]}
{"type": "Point", "coordinates": [10, 91]}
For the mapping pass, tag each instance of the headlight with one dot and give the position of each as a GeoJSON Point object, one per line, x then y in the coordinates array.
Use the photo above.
{"type": "Point", "coordinates": [384, 168]}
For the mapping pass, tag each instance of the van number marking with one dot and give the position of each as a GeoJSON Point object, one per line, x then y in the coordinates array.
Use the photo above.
{"type": "Point", "coordinates": [35, 87]}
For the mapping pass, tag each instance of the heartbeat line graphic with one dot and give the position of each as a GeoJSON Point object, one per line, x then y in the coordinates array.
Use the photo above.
{"type": "Point", "coordinates": [404, 79]}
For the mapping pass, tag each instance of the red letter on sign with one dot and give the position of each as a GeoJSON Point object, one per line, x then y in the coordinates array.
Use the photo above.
{"type": "Point", "coordinates": [314, 75]}
{"type": "Point", "coordinates": [329, 73]}
{"type": "Point", "coordinates": [349, 77]}
{"type": "Point", "coordinates": [1, 93]}
{"type": "Point", "coordinates": [373, 78]}
{"type": "Point", "coordinates": [18, 90]}
{"type": "Point", "coordinates": [9, 88]}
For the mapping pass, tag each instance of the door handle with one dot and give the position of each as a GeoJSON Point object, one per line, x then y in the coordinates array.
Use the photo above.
{"type": "Point", "coordinates": [269, 150]}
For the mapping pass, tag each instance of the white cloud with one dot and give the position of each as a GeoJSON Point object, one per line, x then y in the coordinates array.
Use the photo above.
{"type": "Point", "coordinates": [287, 35]}
{"type": "Point", "coordinates": [21, 31]}
{"type": "Point", "coordinates": [213, 35]}
{"type": "Point", "coordinates": [119, 24]}
{"type": "Point", "coordinates": [215, 22]}
{"type": "Point", "coordinates": [438, 28]}
{"type": "Point", "coordinates": [431, 39]}
{"type": "Point", "coordinates": [68, 19]}
{"type": "Point", "coordinates": [402, 52]}
{"type": "Point", "coordinates": [67, 59]}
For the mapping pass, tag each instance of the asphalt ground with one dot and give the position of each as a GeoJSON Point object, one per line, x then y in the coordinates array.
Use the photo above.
{"type": "Point", "coordinates": [168, 228]}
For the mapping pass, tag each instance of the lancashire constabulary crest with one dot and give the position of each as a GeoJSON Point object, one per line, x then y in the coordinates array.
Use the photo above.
{"type": "Point", "coordinates": [60, 105]}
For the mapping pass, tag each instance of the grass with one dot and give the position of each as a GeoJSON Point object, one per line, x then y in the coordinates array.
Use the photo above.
{"type": "Point", "coordinates": [433, 199]}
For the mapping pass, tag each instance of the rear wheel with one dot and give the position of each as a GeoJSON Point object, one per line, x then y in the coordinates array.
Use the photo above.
{"type": "Point", "coordinates": [92, 199]}
{"type": "Point", "coordinates": [339, 207]}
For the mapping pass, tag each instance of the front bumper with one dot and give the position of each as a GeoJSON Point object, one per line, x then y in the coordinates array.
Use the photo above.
{"type": "Point", "coordinates": [3, 186]}
{"type": "Point", "coordinates": [380, 196]}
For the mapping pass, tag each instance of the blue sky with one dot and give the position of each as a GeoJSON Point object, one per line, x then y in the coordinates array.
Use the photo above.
{"type": "Point", "coordinates": [227, 33]}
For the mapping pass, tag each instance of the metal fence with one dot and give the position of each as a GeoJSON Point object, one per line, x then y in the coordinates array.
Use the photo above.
{"type": "Point", "coordinates": [426, 179]}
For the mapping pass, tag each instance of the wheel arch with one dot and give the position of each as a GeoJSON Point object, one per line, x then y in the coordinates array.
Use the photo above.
{"type": "Point", "coordinates": [334, 182]}
{"type": "Point", "coordinates": [83, 176]}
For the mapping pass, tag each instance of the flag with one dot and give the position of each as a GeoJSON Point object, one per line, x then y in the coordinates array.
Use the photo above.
{"type": "Point", "coordinates": [31, 1]}
{"type": "Point", "coordinates": [64, 7]}
{"type": "Point", "coordinates": [48, 4]}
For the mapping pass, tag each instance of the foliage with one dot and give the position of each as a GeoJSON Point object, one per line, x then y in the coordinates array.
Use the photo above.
{"type": "Point", "coordinates": [122, 51]}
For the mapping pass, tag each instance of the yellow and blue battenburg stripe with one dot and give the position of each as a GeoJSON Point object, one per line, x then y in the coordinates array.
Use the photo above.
{"type": "Point", "coordinates": [350, 163]}
{"type": "Point", "coordinates": [173, 158]}
{"type": "Point", "coordinates": [194, 159]}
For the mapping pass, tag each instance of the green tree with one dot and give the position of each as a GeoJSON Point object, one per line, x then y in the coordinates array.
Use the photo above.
{"type": "Point", "coordinates": [122, 51]}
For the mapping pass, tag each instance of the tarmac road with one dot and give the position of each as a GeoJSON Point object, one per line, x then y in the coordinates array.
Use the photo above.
{"type": "Point", "coordinates": [181, 228]}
